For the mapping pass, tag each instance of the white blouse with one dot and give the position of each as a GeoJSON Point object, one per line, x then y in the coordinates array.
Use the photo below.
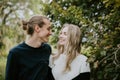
{"type": "Point", "coordinates": [79, 65]}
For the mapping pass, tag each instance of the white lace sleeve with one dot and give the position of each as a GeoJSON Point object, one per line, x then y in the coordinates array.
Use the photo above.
{"type": "Point", "coordinates": [85, 67]}
{"type": "Point", "coordinates": [51, 65]}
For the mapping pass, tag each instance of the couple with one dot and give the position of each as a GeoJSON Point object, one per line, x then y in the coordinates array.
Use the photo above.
{"type": "Point", "coordinates": [32, 59]}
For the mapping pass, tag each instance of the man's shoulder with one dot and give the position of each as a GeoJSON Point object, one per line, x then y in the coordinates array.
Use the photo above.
{"type": "Point", "coordinates": [46, 45]}
{"type": "Point", "coordinates": [16, 48]}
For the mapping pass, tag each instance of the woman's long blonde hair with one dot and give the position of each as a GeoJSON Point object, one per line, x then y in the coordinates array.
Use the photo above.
{"type": "Point", "coordinates": [73, 45]}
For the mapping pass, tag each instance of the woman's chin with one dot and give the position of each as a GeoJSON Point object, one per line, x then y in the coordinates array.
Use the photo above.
{"type": "Point", "coordinates": [60, 43]}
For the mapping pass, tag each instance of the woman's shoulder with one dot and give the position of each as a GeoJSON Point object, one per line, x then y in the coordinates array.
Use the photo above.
{"type": "Point", "coordinates": [82, 57]}
{"type": "Point", "coordinates": [84, 65]}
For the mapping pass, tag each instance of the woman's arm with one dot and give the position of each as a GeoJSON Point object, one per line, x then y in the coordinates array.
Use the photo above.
{"type": "Point", "coordinates": [84, 70]}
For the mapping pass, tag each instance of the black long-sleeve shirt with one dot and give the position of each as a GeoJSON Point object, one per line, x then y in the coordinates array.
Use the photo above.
{"type": "Point", "coordinates": [28, 63]}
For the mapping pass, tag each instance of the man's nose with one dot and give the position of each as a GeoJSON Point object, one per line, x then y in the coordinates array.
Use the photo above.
{"type": "Point", "coordinates": [50, 33]}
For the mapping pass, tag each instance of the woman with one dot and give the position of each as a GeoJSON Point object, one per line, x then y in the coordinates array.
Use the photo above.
{"type": "Point", "coordinates": [69, 63]}
{"type": "Point", "coordinates": [29, 60]}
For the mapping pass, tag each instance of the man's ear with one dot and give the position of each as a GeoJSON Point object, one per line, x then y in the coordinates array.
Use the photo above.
{"type": "Point", "coordinates": [37, 28]}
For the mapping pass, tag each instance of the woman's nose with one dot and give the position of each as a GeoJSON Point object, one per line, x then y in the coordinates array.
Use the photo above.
{"type": "Point", "coordinates": [61, 35]}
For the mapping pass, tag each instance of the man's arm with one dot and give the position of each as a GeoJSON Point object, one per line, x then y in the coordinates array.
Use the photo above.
{"type": "Point", "coordinates": [11, 67]}
{"type": "Point", "coordinates": [50, 76]}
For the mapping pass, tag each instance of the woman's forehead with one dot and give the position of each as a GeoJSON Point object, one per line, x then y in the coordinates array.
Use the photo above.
{"type": "Point", "coordinates": [65, 29]}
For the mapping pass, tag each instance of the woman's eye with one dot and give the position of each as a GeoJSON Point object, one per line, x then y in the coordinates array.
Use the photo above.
{"type": "Point", "coordinates": [60, 33]}
{"type": "Point", "coordinates": [65, 33]}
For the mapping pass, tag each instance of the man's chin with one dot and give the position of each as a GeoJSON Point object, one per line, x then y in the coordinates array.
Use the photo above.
{"type": "Point", "coordinates": [45, 41]}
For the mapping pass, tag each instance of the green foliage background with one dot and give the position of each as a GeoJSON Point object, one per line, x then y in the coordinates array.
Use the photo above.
{"type": "Point", "coordinates": [99, 21]}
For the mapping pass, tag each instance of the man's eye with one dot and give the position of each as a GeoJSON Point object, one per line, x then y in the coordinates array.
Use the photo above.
{"type": "Point", "coordinates": [49, 29]}
{"type": "Point", "coordinates": [53, 30]}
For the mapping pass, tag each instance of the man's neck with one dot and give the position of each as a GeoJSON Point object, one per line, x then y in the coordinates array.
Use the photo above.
{"type": "Point", "coordinates": [33, 42]}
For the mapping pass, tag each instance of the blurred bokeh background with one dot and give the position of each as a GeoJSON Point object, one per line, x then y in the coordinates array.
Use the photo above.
{"type": "Point", "coordinates": [99, 21]}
